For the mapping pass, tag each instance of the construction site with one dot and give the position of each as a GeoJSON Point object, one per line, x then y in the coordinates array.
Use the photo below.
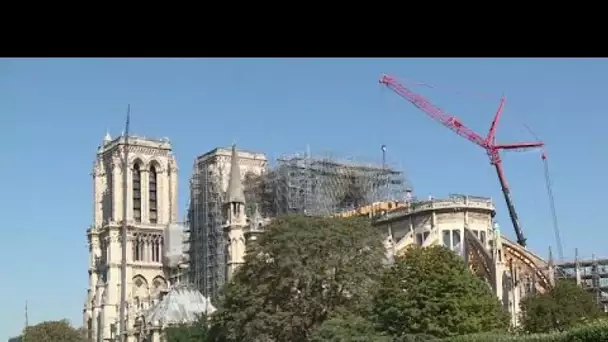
{"type": "Point", "coordinates": [324, 186]}
{"type": "Point", "coordinates": [329, 186]}
{"type": "Point", "coordinates": [298, 183]}
{"type": "Point", "coordinates": [589, 273]}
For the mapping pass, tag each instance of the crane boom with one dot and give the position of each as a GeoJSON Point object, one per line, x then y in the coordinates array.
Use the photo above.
{"type": "Point", "coordinates": [433, 111]}
{"type": "Point", "coordinates": [488, 143]}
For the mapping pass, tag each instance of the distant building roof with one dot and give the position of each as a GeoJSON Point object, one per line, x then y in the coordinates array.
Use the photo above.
{"type": "Point", "coordinates": [182, 304]}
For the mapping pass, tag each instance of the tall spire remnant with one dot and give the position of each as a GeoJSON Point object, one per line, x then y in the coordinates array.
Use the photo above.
{"type": "Point", "coordinates": [123, 263]}
{"type": "Point", "coordinates": [235, 192]}
{"type": "Point", "coordinates": [27, 323]}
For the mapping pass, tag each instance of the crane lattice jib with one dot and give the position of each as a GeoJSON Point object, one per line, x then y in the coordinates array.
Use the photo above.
{"type": "Point", "coordinates": [488, 144]}
{"type": "Point", "coordinates": [433, 111]}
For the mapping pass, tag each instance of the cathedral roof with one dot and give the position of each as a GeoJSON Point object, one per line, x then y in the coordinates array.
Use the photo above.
{"type": "Point", "coordinates": [183, 304]}
{"type": "Point", "coordinates": [235, 193]}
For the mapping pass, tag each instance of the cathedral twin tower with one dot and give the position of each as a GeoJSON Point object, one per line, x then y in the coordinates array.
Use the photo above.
{"type": "Point", "coordinates": [151, 209]}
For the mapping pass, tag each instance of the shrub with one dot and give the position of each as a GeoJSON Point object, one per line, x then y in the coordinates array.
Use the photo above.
{"type": "Point", "coordinates": [563, 307]}
{"type": "Point", "coordinates": [593, 332]}
{"type": "Point", "coordinates": [555, 337]}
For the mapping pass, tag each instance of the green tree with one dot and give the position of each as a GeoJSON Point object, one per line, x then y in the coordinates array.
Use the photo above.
{"type": "Point", "coordinates": [348, 328]}
{"type": "Point", "coordinates": [301, 270]}
{"type": "Point", "coordinates": [53, 331]}
{"type": "Point", "coordinates": [562, 307]}
{"type": "Point", "coordinates": [188, 332]}
{"type": "Point", "coordinates": [431, 291]}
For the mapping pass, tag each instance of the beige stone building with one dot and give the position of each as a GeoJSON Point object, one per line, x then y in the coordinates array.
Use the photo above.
{"type": "Point", "coordinates": [151, 208]}
{"type": "Point", "coordinates": [466, 225]}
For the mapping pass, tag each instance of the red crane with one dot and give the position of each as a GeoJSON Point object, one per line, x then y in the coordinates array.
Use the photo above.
{"type": "Point", "coordinates": [488, 143]}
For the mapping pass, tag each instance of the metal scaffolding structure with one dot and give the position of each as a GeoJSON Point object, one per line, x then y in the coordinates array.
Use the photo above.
{"type": "Point", "coordinates": [590, 274]}
{"type": "Point", "coordinates": [297, 184]}
{"type": "Point", "coordinates": [207, 247]}
{"type": "Point", "coordinates": [325, 185]}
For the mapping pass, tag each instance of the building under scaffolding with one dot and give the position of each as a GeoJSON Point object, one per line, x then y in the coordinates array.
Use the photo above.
{"type": "Point", "coordinates": [326, 186]}
{"type": "Point", "coordinates": [207, 246]}
{"type": "Point", "coordinates": [590, 274]}
{"type": "Point", "coordinates": [297, 184]}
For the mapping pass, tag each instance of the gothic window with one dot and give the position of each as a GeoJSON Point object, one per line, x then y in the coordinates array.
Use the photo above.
{"type": "Point", "coordinates": [447, 239]}
{"type": "Point", "coordinates": [141, 247]}
{"type": "Point", "coordinates": [156, 250]}
{"type": "Point", "coordinates": [136, 254]}
{"type": "Point", "coordinates": [138, 249]}
{"type": "Point", "coordinates": [103, 246]}
{"type": "Point", "coordinates": [108, 194]}
{"type": "Point", "coordinates": [136, 193]}
{"type": "Point", "coordinates": [456, 240]}
{"type": "Point", "coordinates": [419, 240]}
{"type": "Point", "coordinates": [153, 199]}
{"type": "Point", "coordinates": [153, 247]}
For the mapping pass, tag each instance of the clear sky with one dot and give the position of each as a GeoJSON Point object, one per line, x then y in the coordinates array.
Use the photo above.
{"type": "Point", "coordinates": [54, 114]}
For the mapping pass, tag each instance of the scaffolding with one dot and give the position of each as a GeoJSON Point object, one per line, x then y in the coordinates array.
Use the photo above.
{"type": "Point", "coordinates": [321, 186]}
{"type": "Point", "coordinates": [590, 274]}
{"type": "Point", "coordinates": [297, 184]}
{"type": "Point", "coordinates": [207, 247]}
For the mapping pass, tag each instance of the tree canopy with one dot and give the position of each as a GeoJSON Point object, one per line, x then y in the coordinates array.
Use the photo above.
{"type": "Point", "coordinates": [300, 271]}
{"type": "Point", "coordinates": [431, 291]}
{"type": "Point", "coordinates": [348, 328]}
{"type": "Point", "coordinates": [562, 307]}
{"type": "Point", "coordinates": [53, 331]}
{"type": "Point", "coordinates": [188, 332]}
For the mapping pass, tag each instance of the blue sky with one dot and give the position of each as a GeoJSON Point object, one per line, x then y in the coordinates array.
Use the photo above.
{"type": "Point", "coordinates": [54, 114]}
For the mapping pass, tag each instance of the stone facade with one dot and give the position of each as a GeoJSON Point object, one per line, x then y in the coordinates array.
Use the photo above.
{"type": "Point", "coordinates": [151, 207]}
{"type": "Point", "coordinates": [466, 225]}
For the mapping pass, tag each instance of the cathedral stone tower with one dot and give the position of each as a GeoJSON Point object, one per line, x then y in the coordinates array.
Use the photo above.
{"type": "Point", "coordinates": [151, 207]}
{"type": "Point", "coordinates": [235, 217]}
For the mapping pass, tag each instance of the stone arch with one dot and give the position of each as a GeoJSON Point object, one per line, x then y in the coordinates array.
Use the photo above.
{"type": "Point", "coordinates": [525, 261]}
{"type": "Point", "coordinates": [156, 164]}
{"type": "Point", "coordinates": [140, 291]}
{"type": "Point", "coordinates": [138, 161]}
{"type": "Point", "coordinates": [158, 284]}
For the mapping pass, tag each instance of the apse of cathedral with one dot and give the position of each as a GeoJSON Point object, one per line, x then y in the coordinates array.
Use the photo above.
{"type": "Point", "coordinates": [466, 225]}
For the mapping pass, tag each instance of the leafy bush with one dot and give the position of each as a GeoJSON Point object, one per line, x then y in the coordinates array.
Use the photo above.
{"type": "Point", "coordinates": [563, 307]}
{"type": "Point", "coordinates": [416, 338]}
{"type": "Point", "coordinates": [592, 332]}
{"type": "Point", "coordinates": [431, 291]}
{"type": "Point", "coordinates": [347, 328]}
{"type": "Point", "coordinates": [507, 338]}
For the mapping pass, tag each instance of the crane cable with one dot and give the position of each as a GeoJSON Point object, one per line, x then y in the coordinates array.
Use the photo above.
{"type": "Point", "coordinates": [548, 182]}
{"type": "Point", "coordinates": [549, 185]}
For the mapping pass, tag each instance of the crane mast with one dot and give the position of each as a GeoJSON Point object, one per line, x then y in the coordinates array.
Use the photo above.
{"type": "Point", "coordinates": [488, 143]}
